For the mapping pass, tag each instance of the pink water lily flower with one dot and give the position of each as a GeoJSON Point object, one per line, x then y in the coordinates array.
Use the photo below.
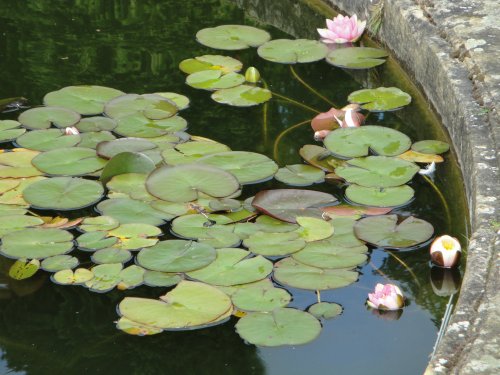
{"type": "Point", "coordinates": [71, 130]}
{"type": "Point", "coordinates": [386, 297]}
{"type": "Point", "coordinates": [446, 251]}
{"type": "Point", "coordinates": [342, 29]}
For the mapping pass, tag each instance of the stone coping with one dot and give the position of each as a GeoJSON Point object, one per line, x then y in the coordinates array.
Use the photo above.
{"type": "Point", "coordinates": [451, 49]}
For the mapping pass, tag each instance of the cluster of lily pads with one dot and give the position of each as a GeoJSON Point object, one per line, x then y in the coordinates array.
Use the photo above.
{"type": "Point", "coordinates": [133, 160]}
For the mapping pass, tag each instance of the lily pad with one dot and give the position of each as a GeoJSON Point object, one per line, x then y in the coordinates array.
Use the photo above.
{"type": "Point", "coordinates": [137, 329]}
{"type": "Point", "coordinates": [98, 223]}
{"type": "Point", "coordinates": [92, 241]}
{"type": "Point", "coordinates": [287, 204]}
{"type": "Point", "coordinates": [347, 210]}
{"type": "Point", "coordinates": [300, 175]}
{"type": "Point", "coordinates": [17, 164]}
{"type": "Point", "coordinates": [44, 117]}
{"type": "Point", "coordinates": [190, 152]}
{"type": "Point", "coordinates": [86, 100]}
{"type": "Point", "coordinates": [63, 193]}
{"type": "Point", "coordinates": [112, 148]}
{"type": "Point", "coordinates": [225, 64]}
{"type": "Point", "coordinates": [356, 142]}
{"type": "Point", "coordinates": [10, 130]}
{"type": "Point", "coordinates": [377, 171]}
{"type": "Point", "coordinates": [344, 232]}
{"type": "Point", "coordinates": [181, 101]}
{"type": "Point", "coordinates": [384, 231]}
{"type": "Point", "coordinates": [325, 310]}
{"type": "Point", "coordinates": [130, 185]}
{"type": "Point", "coordinates": [232, 267]}
{"type": "Point", "coordinates": [380, 99]}
{"type": "Point", "coordinates": [325, 254]}
{"type": "Point", "coordinates": [36, 243]}
{"type": "Point", "coordinates": [242, 96]}
{"type": "Point", "coordinates": [282, 326]}
{"type": "Point", "coordinates": [418, 157]}
{"type": "Point", "coordinates": [380, 197]}
{"type": "Point", "coordinates": [68, 277]}
{"type": "Point", "coordinates": [126, 162]}
{"type": "Point", "coordinates": [106, 277]}
{"type": "Point", "coordinates": [136, 125]}
{"type": "Point", "coordinates": [13, 222]}
{"type": "Point", "coordinates": [111, 255]}
{"type": "Point", "coordinates": [197, 226]}
{"type": "Point", "coordinates": [260, 296]}
{"type": "Point", "coordinates": [131, 277]}
{"type": "Point", "coordinates": [92, 139]}
{"type": "Point", "coordinates": [131, 211]}
{"type": "Point", "coordinates": [430, 147]}
{"type": "Point", "coordinates": [161, 279]}
{"type": "Point", "coordinates": [47, 139]}
{"type": "Point", "coordinates": [270, 224]}
{"type": "Point", "coordinates": [96, 124]}
{"type": "Point", "coordinates": [151, 106]}
{"type": "Point", "coordinates": [214, 80]}
{"type": "Point", "coordinates": [356, 57]}
{"type": "Point", "coordinates": [274, 244]}
{"type": "Point", "coordinates": [23, 269]}
{"type": "Point", "coordinates": [184, 183]}
{"type": "Point", "coordinates": [247, 167]}
{"type": "Point", "coordinates": [59, 263]}
{"type": "Point", "coordinates": [232, 37]}
{"type": "Point", "coordinates": [72, 161]}
{"type": "Point", "coordinates": [288, 51]}
{"type": "Point", "coordinates": [320, 157]}
{"type": "Point", "coordinates": [313, 229]}
{"type": "Point", "coordinates": [298, 275]}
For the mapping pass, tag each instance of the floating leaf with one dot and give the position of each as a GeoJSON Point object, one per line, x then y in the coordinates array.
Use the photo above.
{"type": "Point", "coordinates": [161, 279]}
{"type": "Point", "coordinates": [92, 139]}
{"type": "Point", "coordinates": [380, 99]}
{"type": "Point", "coordinates": [68, 277]}
{"type": "Point", "coordinates": [63, 193]}
{"type": "Point", "coordinates": [214, 80]}
{"type": "Point", "coordinates": [225, 64]}
{"type": "Point", "coordinates": [344, 232]}
{"type": "Point", "coordinates": [430, 147]}
{"type": "Point", "coordinates": [282, 326]}
{"type": "Point", "coordinates": [135, 230]}
{"type": "Point", "coordinates": [131, 211]}
{"type": "Point", "coordinates": [96, 124]}
{"type": "Point", "coordinates": [99, 223]}
{"type": "Point", "coordinates": [10, 130]}
{"type": "Point", "coordinates": [298, 275]}
{"type": "Point", "coordinates": [126, 162]}
{"type": "Point", "coordinates": [380, 197]}
{"type": "Point", "coordinates": [190, 152]}
{"type": "Point", "coordinates": [47, 139]}
{"type": "Point", "coordinates": [356, 57]}
{"type": "Point", "coordinates": [300, 175]}
{"type": "Point", "coordinates": [384, 231]}
{"type": "Point", "coordinates": [106, 277]}
{"type": "Point", "coordinates": [232, 267]}
{"type": "Point", "coordinates": [355, 142]}
{"type": "Point", "coordinates": [287, 204]}
{"type": "Point", "coordinates": [232, 37]}
{"type": "Point", "coordinates": [270, 224]}
{"type": "Point", "coordinates": [91, 241]}
{"type": "Point", "coordinates": [418, 157]}
{"type": "Point", "coordinates": [320, 157]}
{"type": "Point", "coordinates": [112, 148]}
{"type": "Point", "coordinates": [86, 100]}
{"type": "Point", "coordinates": [288, 51]}
{"type": "Point", "coordinates": [346, 210]}
{"type": "Point", "coordinates": [17, 164]}
{"type": "Point", "coordinates": [260, 296]}
{"type": "Point", "coordinates": [44, 117]}
{"type": "Point", "coordinates": [74, 161]}
{"type": "Point", "coordinates": [59, 263]}
{"type": "Point", "coordinates": [325, 254]}
{"type": "Point", "coordinates": [134, 328]}
{"type": "Point", "coordinates": [274, 244]}
{"type": "Point", "coordinates": [23, 269]}
{"type": "Point", "coordinates": [151, 106]}
{"type": "Point", "coordinates": [325, 310]}
{"type": "Point", "coordinates": [184, 183]}
{"type": "Point", "coordinates": [313, 229]}
{"type": "Point", "coordinates": [242, 96]}
{"type": "Point", "coordinates": [36, 243]}
{"type": "Point", "coordinates": [198, 226]}
{"type": "Point", "coordinates": [220, 238]}
{"type": "Point", "coordinates": [136, 125]}
{"type": "Point", "coordinates": [12, 222]}
{"type": "Point", "coordinates": [181, 101]}
{"type": "Point", "coordinates": [130, 185]}
{"type": "Point", "coordinates": [131, 277]}
{"type": "Point", "coordinates": [111, 255]}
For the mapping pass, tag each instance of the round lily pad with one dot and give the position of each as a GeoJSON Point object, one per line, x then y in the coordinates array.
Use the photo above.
{"type": "Point", "coordinates": [225, 64]}
{"type": "Point", "coordinates": [220, 238]}
{"type": "Point", "coordinates": [326, 254]}
{"type": "Point", "coordinates": [109, 149]}
{"type": "Point", "coordinates": [184, 183]}
{"type": "Point", "coordinates": [260, 296]}
{"type": "Point", "coordinates": [380, 197]}
{"type": "Point", "coordinates": [131, 185]}
{"type": "Point", "coordinates": [356, 142]}
{"type": "Point", "coordinates": [132, 230]}
{"type": "Point", "coordinates": [247, 167]}
{"type": "Point", "coordinates": [14, 222]}
{"type": "Point", "coordinates": [106, 277]}
{"type": "Point", "coordinates": [10, 130]}
{"type": "Point", "coordinates": [68, 277]}
{"type": "Point", "coordinates": [111, 255]}
{"type": "Point", "coordinates": [190, 152]}
{"type": "Point", "coordinates": [44, 117]}
{"type": "Point", "coordinates": [96, 124]}
{"type": "Point", "coordinates": [92, 139]}
{"type": "Point", "coordinates": [136, 125]}
{"type": "Point", "coordinates": [430, 147]}
{"type": "Point", "coordinates": [59, 263]}
{"type": "Point", "coordinates": [151, 106]}
{"type": "Point", "coordinates": [131, 211]}
{"type": "Point", "coordinates": [282, 326]}
{"type": "Point", "coordinates": [36, 243]}
{"type": "Point", "coordinates": [380, 99]}
{"type": "Point", "coordinates": [18, 164]}
{"type": "Point", "coordinates": [161, 279]}
{"type": "Point", "coordinates": [98, 223]}
{"type": "Point", "coordinates": [320, 157]}
{"type": "Point", "coordinates": [356, 57]}
{"type": "Point", "coordinates": [72, 161]}
{"type": "Point", "coordinates": [197, 226]}
{"type": "Point", "coordinates": [86, 100]}
{"type": "Point", "coordinates": [232, 37]}
{"type": "Point", "coordinates": [242, 96]}
{"type": "Point", "coordinates": [300, 175]}
{"type": "Point", "coordinates": [63, 193]}
{"type": "Point", "coordinates": [377, 171]}
{"type": "Point", "coordinates": [23, 269]}
{"type": "Point", "coordinates": [188, 305]}
{"type": "Point", "coordinates": [298, 275]}
{"type": "Point", "coordinates": [384, 231]}
{"type": "Point", "coordinates": [313, 229]}
{"type": "Point", "coordinates": [126, 162]}
{"type": "Point", "coordinates": [92, 241]}
{"type": "Point", "coordinates": [131, 277]}
{"type": "Point", "coordinates": [418, 157]}
{"type": "Point", "coordinates": [344, 232]}
{"type": "Point", "coordinates": [274, 244]}
{"type": "Point", "coordinates": [288, 51]}
{"type": "Point", "coordinates": [325, 310]}
{"type": "Point", "coordinates": [232, 267]}
{"type": "Point", "coordinates": [47, 139]}
{"type": "Point", "coordinates": [214, 80]}
{"type": "Point", "coordinates": [181, 101]}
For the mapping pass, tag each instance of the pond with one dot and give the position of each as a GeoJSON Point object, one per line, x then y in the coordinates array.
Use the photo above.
{"type": "Point", "coordinates": [136, 47]}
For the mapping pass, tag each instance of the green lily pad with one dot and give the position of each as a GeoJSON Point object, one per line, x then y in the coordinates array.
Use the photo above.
{"type": "Point", "coordinates": [225, 64]}
{"type": "Point", "coordinates": [184, 183]}
{"type": "Point", "coordinates": [242, 96]}
{"type": "Point", "coordinates": [325, 254]}
{"type": "Point", "coordinates": [96, 124]}
{"type": "Point", "coordinates": [47, 139]}
{"type": "Point", "coordinates": [225, 204]}
{"type": "Point", "coordinates": [232, 37]}
{"type": "Point", "coordinates": [377, 171]}
{"type": "Point", "coordinates": [282, 326]}
{"type": "Point", "coordinates": [86, 100]}
{"type": "Point", "coordinates": [136, 125]}
{"type": "Point", "coordinates": [181, 101]}
{"type": "Point", "coordinates": [430, 147]}
{"type": "Point", "coordinates": [247, 167]}
{"type": "Point", "coordinates": [345, 210]}
{"type": "Point", "coordinates": [384, 231]}
{"type": "Point", "coordinates": [112, 148]}
{"type": "Point", "coordinates": [135, 230]}
{"type": "Point", "coordinates": [325, 310]}
{"type": "Point", "coordinates": [161, 279]}
{"type": "Point", "coordinates": [126, 162]}
{"type": "Point", "coordinates": [380, 99]}
{"type": "Point", "coordinates": [274, 244]}
{"type": "Point", "coordinates": [190, 152]}
{"type": "Point", "coordinates": [380, 197]}
{"type": "Point", "coordinates": [260, 296]}
{"type": "Point", "coordinates": [232, 267]}
{"type": "Point", "coordinates": [270, 224]}
{"type": "Point", "coordinates": [176, 256]}
{"type": "Point", "coordinates": [214, 80]}
{"type": "Point", "coordinates": [287, 204]}
{"type": "Point", "coordinates": [92, 241]}
{"type": "Point", "coordinates": [13, 222]}
{"type": "Point", "coordinates": [98, 223]}
{"type": "Point", "coordinates": [320, 157]}
{"type": "Point", "coordinates": [10, 130]}
{"type": "Point", "coordinates": [151, 106]}
{"type": "Point", "coordinates": [92, 139]}
{"type": "Point", "coordinates": [344, 232]}
{"type": "Point", "coordinates": [106, 277]}
{"type": "Point", "coordinates": [44, 117]}
{"type": "Point", "coordinates": [313, 229]}
{"type": "Point", "coordinates": [188, 305]}
{"type": "Point", "coordinates": [111, 255]}
{"type": "Point", "coordinates": [298, 275]}
{"type": "Point", "coordinates": [197, 226]}
{"type": "Point", "coordinates": [356, 142]}
{"type": "Point", "coordinates": [131, 211]}
{"type": "Point", "coordinates": [137, 329]}
{"type": "Point", "coordinates": [130, 185]}
{"type": "Point", "coordinates": [23, 269]}
{"type": "Point", "coordinates": [59, 263]}
{"type": "Point", "coordinates": [17, 164]}
{"type": "Point", "coordinates": [36, 243]}
{"type": "Point", "coordinates": [356, 57]}
{"type": "Point", "coordinates": [220, 238]}
{"type": "Point", "coordinates": [63, 193]}
{"type": "Point", "coordinates": [73, 161]}
{"type": "Point", "coordinates": [300, 175]}
{"type": "Point", "coordinates": [131, 277]}
{"type": "Point", "coordinates": [288, 51]}
{"type": "Point", "coordinates": [68, 277]}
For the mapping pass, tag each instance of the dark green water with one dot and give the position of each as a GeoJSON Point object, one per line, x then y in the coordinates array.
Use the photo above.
{"type": "Point", "coordinates": [135, 46]}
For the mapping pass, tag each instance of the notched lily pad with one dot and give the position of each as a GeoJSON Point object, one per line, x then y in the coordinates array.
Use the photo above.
{"type": "Point", "coordinates": [44, 117]}
{"type": "Point", "coordinates": [151, 106]}
{"type": "Point", "coordinates": [59, 262]}
{"type": "Point", "coordinates": [380, 197]}
{"type": "Point", "coordinates": [232, 37]}
{"type": "Point", "coordinates": [47, 139]}
{"type": "Point", "coordinates": [288, 51]}
{"type": "Point", "coordinates": [242, 96]}
{"type": "Point", "coordinates": [225, 64]}
{"type": "Point", "coordinates": [71, 161]}
{"type": "Point", "coordinates": [380, 99]}
{"type": "Point", "coordinates": [325, 310]}
{"type": "Point", "coordinates": [430, 147]}
{"type": "Point", "coordinates": [214, 80]}
{"type": "Point", "coordinates": [356, 57]}
{"type": "Point", "coordinates": [36, 243]}
{"type": "Point", "coordinates": [300, 175]}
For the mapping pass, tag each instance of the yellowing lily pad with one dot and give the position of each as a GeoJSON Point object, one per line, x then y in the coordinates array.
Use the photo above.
{"type": "Point", "coordinates": [68, 277]}
{"type": "Point", "coordinates": [23, 269]}
{"type": "Point", "coordinates": [214, 80]}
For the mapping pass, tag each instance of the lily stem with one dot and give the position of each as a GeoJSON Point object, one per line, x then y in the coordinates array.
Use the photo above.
{"type": "Point", "coordinates": [309, 87]}
{"type": "Point", "coordinates": [318, 294]}
{"type": "Point", "coordinates": [443, 199]}
{"type": "Point", "coordinates": [378, 271]}
{"type": "Point", "coordinates": [283, 133]}
{"type": "Point", "coordinates": [295, 102]}
{"type": "Point", "coordinates": [405, 266]}
{"type": "Point", "coordinates": [264, 118]}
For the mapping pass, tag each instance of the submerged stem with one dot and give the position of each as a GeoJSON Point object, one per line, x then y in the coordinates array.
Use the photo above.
{"type": "Point", "coordinates": [405, 266]}
{"type": "Point", "coordinates": [264, 117]}
{"type": "Point", "coordinates": [309, 87]}
{"type": "Point", "coordinates": [443, 199]}
{"type": "Point", "coordinates": [282, 134]}
{"type": "Point", "coordinates": [295, 102]}
{"type": "Point", "coordinates": [378, 271]}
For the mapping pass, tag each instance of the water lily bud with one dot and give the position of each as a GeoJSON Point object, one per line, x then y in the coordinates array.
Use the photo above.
{"type": "Point", "coordinates": [252, 75]}
{"type": "Point", "coordinates": [445, 281]}
{"type": "Point", "coordinates": [386, 297]}
{"type": "Point", "coordinates": [446, 251]}
{"type": "Point", "coordinates": [321, 134]}
{"type": "Point", "coordinates": [71, 131]}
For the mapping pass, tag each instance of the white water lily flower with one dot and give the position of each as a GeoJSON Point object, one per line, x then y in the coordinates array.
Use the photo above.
{"type": "Point", "coordinates": [430, 169]}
